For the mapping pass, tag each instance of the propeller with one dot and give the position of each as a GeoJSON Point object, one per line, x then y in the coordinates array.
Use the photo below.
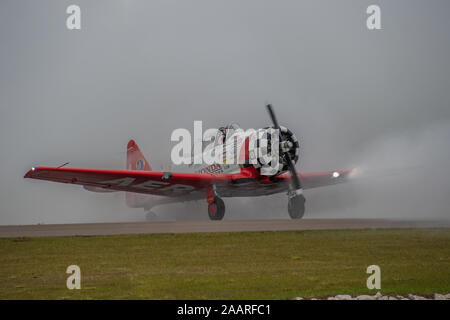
{"type": "Point", "coordinates": [296, 184]}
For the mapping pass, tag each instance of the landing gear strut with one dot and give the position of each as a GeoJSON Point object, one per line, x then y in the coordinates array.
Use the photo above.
{"type": "Point", "coordinates": [296, 206]}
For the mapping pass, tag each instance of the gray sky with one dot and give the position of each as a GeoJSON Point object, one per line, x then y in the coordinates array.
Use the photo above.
{"type": "Point", "coordinates": [140, 69]}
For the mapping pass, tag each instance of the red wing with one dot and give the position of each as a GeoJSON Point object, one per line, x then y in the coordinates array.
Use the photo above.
{"type": "Point", "coordinates": [320, 179]}
{"type": "Point", "coordinates": [254, 187]}
{"type": "Point", "coordinates": [147, 182]}
{"type": "Point", "coordinates": [182, 185]}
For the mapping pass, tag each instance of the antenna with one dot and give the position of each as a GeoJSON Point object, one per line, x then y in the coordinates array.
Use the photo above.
{"type": "Point", "coordinates": [64, 164]}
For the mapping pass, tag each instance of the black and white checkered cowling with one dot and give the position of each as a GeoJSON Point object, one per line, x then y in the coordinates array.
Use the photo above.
{"type": "Point", "coordinates": [263, 146]}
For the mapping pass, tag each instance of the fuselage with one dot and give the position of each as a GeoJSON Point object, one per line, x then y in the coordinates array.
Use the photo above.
{"type": "Point", "coordinates": [230, 153]}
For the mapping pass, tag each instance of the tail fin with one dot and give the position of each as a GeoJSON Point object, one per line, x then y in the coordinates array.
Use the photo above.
{"type": "Point", "coordinates": [135, 158]}
{"type": "Point", "coordinates": [136, 161]}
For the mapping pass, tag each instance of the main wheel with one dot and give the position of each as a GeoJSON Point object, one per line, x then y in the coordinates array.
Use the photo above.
{"type": "Point", "coordinates": [296, 206]}
{"type": "Point", "coordinates": [216, 209]}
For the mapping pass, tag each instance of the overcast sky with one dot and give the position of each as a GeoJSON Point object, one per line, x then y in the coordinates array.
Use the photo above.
{"type": "Point", "coordinates": [140, 69]}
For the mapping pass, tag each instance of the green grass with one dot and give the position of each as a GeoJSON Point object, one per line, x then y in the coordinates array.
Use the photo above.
{"type": "Point", "coordinates": [246, 265]}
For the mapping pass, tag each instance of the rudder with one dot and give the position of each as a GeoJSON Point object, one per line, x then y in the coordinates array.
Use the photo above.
{"type": "Point", "coordinates": [136, 161]}
{"type": "Point", "coordinates": [135, 158]}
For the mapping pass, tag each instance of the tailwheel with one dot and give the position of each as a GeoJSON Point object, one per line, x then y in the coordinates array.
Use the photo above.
{"type": "Point", "coordinates": [296, 206]}
{"type": "Point", "coordinates": [151, 216]}
{"type": "Point", "coordinates": [216, 209]}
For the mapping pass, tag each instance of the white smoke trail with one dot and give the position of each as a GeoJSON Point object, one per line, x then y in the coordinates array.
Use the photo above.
{"type": "Point", "coordinates": [403, 176]}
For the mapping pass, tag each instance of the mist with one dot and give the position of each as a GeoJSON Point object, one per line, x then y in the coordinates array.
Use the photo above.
{"type": "Point", "coordinates": [402, 176]}
{"type": "Point", "coordinates": [373, 100]}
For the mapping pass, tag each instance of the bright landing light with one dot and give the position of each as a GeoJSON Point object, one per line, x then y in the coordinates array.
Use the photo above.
{"type": "Point", "coordinates": [336, 174]}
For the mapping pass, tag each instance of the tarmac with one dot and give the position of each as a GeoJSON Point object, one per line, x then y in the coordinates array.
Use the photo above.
{"type": "Point", "coordinates": [92, 229]}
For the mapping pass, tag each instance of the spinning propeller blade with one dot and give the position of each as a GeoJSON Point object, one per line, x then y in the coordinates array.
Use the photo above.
{"type": "Point", "coordinates": [291, 165]}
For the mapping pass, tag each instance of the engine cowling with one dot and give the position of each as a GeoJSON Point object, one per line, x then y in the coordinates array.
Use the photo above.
{"type": "Point", "coordinates": [287, 142]}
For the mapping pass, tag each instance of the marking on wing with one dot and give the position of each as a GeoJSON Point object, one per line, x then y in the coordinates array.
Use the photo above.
{"type": "Point", "coordinates": [122, 182]}
{"type": "Point", "coordinates": [150, 185]}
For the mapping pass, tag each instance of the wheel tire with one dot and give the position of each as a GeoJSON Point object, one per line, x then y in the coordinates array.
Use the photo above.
{"type": "Point", "coordinates": [296, 207]}
{"type": "Point", "coordinates": [216, 209]}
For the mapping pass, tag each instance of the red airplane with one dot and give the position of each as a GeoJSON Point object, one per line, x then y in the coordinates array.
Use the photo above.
{"type": "Point", "coordinates": [212, 182]}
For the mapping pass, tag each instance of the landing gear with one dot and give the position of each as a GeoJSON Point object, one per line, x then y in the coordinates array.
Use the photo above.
{"type": "Point", "coordinates": [296, 206]}
{"type": "Point", "coordinates": [216, 206]}
{"type": "Point", "coordinates": [216, 209]}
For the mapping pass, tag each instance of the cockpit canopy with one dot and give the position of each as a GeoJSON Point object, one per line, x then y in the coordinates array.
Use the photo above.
{"type": "Point", "coordinates": [227, 131]}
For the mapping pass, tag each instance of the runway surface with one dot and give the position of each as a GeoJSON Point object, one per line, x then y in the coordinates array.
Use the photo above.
{"type": "Point", "coordinates": [90, 229]}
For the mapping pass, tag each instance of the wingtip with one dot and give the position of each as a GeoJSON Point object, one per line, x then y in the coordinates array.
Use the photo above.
{"type": "Point", "coordinates": [30, 172]}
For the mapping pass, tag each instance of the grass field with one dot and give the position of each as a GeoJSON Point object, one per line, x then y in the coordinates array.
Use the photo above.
{"type": "Point", "coordinates": [246, 265]}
